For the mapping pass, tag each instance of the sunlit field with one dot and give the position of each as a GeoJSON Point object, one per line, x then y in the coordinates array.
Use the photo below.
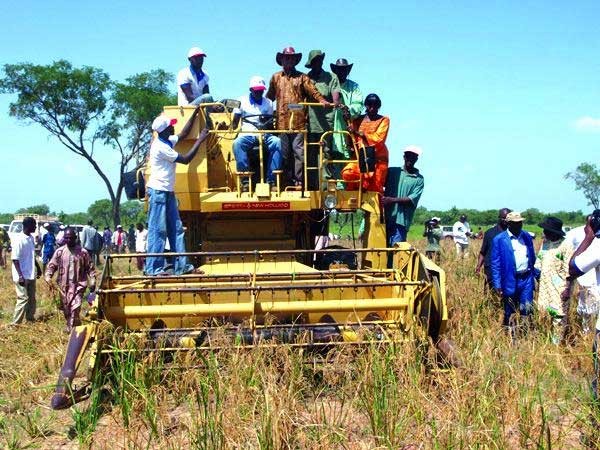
{"type": "Point", "coordinates": [526, 394]}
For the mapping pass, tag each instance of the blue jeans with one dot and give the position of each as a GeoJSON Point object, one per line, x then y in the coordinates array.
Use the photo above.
{"type": "Point", "coordinates": [244, 143]}
{"type": "Point", "coordinates": [521, 300]}
{"type": "Point", "coordinates": [396, 233]}
{"type": "Point", "coordinates": [163, 223]}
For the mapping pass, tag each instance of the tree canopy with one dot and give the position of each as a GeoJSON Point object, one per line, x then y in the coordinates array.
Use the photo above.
{"type": "Point", "coordinates": [82, 107]}
{"type": "Point", "coordinates": [587, 179]}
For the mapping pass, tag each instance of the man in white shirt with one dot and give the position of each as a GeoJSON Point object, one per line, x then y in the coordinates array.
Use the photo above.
{"type": "Point", "coordinates": [460, 234]}
{"type": "Point", "coordinates": [163, 215]}
{"type": "Point", "coordinates": [588, 294]}
{"type": "Point", "coordinates": [587, 258]}
{"type": "Point", "coordinates": [256, 113]}
{"type": "Point", "coordinates": [141, 244]}
{"type": "Point", "coordinates": [192, 81]}
{"type": "Point", "coordinates": [25, 269]}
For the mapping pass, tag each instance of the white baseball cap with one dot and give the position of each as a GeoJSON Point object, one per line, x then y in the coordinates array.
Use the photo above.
{"type": "Point", "coordinates": [413, 149]}
{"type": "Point", "coordinates": [162, 122]}
{"type": "Point", "coordinates": [257, 83]}
{"type": "Point", "coordinates": [195, 51]}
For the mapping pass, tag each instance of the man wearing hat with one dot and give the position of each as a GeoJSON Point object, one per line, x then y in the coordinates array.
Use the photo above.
{"type": "Point", "coordinates": [403, 189]}
{"type": "Point", "coordinates": [288, 87]}
{"type": "Point", "coordinates": [119, 239]}
{"type": "Point", "coordinates": [256, 113]}
{"type": "Point", "coordinates": [320, 119]}
{"type": "Point", "coordinates": [433, 233]}
{"type": "Point", "coordinates": [352, 104]}
{"type": "Point", "coordinates": [163, 215]}
{"type": "Point", "coordinates": [513, 272]}
{"type": "Point", "coordinates": [192, 81]}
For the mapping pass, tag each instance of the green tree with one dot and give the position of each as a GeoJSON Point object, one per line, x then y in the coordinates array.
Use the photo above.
{"type": "Point", "coordinates": [132, 212]}
{"type": "Point", "coordinates": [587, 179]}
{"type": "Point", "coordinates": [101, 212]}
{"type": "Point", "coordinates": [82, 107]}
{"type": "Point", "coordinates": [42, 210]}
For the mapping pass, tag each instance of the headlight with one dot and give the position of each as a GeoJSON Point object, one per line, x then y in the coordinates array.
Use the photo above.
{"type": "Point", "coordinates": [330, 201]}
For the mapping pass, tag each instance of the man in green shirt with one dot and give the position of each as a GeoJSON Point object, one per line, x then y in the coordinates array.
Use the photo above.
{"type": "Point", "coordinates": [403, 190]}
{"type": "Point", "coordinates": [352, 105]}
{"type": "Point", "coordinates": [433, 233]}
{"type": "Point", "coordinates": [320, 119]}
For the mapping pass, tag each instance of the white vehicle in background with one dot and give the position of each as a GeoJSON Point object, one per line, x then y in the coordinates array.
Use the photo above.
{"type": "Point", "coordinates": [16, 226]}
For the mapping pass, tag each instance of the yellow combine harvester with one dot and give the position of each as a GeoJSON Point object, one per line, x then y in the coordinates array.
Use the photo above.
{"type": "Point", "coordinates": [262, 282]}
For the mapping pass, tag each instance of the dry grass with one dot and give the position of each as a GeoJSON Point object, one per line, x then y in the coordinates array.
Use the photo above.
{"type": "Point", "coordinates": [530, 394]}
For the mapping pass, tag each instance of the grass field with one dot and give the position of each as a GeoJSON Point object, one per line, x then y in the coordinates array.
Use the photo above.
{"type": "Point", "coordinates": [527, 394]}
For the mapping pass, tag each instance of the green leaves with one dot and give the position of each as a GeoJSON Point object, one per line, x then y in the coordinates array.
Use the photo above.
{"type": "Point", "coordinates": [81, 106]}
{"type": "Point", "coordinates": [587, 179]}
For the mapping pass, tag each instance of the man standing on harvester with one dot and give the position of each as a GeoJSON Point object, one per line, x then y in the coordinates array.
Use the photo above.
{"type": "Point", "coordinates": [163, 215]}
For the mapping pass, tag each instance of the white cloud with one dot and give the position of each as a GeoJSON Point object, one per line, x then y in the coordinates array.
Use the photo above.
{"type": "Point", "coordinates": [587, 124]}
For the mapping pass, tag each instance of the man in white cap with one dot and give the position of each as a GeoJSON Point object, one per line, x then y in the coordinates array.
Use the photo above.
{"type": "Point", "coordinates": [192, 81]}
{"type": "Point", "coordinates": [513, 272]}
{"type": "Point", "coordinates": [163, 215]}
{"type": "Point", "coordinates": [403, 189]}
{"type": "Point", "coordinates": [119, 239]}
{"type": "Point", "coordinates": [256, 113]}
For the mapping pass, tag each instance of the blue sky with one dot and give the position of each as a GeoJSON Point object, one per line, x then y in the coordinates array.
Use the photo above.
{"type": "Point", "coordinates": [504, 97]}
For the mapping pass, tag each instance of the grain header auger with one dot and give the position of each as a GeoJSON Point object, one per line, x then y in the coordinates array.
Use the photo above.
{"type": "Point", "coordinates": [262, 282]}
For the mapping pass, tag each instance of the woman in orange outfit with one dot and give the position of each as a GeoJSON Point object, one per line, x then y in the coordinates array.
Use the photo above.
{"type": "Point", "coordinates": [370, 129]}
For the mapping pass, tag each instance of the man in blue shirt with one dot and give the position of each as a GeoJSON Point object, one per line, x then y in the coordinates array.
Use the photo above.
{"type": "Point", "coordinates": [513, 274]}
{"type": "Point", "coordinates": [403, 189]}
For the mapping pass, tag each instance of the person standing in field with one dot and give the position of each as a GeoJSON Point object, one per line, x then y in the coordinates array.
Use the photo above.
{"type": "Point", "coordinates": [141, 244]}
{"type": "Point", "coordinates": [460, 234]}
{"type": "Point", "coordinates": [131, 239]}
{"type": "Point", "coordinates": [25, 269]}
{"type": "Point", "coordinates": [4, 243]}
{"type": "Point", "coordinates": [48, 245]}
{"type": "Point", "coordinates": [553, 273]}
{"type": "Point", "coordinates": [75, 268]}
{"type": "Point", "coordinates": [513, 272]}
{"type": "Point", "coordinates": [107, 240]}
{"type": "Point", "coordinates": [587, 259]}
{"type": "Point", "coordinates": [88, 239]}
{"type": "Point", "coordinates": [433, 233]}
{"type": "Point", "coordinates": [588, 292]}
{"type": "Point", "coordinates": [485, 254]}
{"type": "Point", "coordinates": [119, 239]}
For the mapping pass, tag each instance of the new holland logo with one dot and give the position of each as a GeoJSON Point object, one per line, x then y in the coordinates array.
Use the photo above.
{"type": "Point", "coordinates": [265, 206]}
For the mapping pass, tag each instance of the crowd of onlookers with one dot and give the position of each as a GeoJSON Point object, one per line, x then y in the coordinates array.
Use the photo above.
{"type": "Point", "coordinates": [69, 255]}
